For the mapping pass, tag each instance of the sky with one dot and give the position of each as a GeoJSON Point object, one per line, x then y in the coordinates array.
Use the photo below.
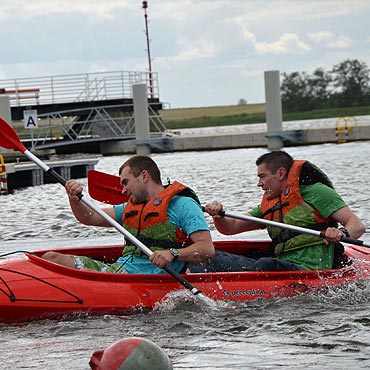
{"type": "Point", "coordinates": [206, 52]}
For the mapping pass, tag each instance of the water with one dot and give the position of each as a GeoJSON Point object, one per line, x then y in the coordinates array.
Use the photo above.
{"type": "Point", "coordinates": [328, 331]}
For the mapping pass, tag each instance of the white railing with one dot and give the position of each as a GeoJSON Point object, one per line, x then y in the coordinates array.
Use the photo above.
{"type": "Point", "coordinates": [77, 87]}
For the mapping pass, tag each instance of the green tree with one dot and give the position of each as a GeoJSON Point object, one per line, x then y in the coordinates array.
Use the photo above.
{"type": "Point", "coordinates": [346, 85]}
{"type": "Point", "coordinates": [294, 92]}
{"type": "Point", "coordinates": [351, 84]}
{"type": "Point", "coordinates": [319, 89]}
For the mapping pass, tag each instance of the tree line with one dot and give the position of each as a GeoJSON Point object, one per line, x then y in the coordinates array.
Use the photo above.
{"type": "Point", "coordinates": [347, 84]}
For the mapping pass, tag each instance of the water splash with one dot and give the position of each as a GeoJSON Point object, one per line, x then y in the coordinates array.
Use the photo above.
{"type": "Point", "coordinates": [179, 299]}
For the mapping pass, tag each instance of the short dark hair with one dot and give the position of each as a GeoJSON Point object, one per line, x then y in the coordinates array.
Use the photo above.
{"type": "Point", "coordinates": [138, 163]}
{"type": "Point", "coordinates": [275, 159]}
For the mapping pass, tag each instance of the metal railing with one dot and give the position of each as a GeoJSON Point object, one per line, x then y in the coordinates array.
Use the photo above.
{"type": "Point", "coordinates": [77, 87]}
{"type": "Point", "coordinates": [64, 126]}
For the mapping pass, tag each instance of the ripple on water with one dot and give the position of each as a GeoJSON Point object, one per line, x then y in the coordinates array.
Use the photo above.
{"type": "Point", "coordinates": [327, 330]}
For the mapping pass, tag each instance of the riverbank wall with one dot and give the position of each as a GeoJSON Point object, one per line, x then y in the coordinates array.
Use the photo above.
{"type": "Point", "coordinates": [193, 140]}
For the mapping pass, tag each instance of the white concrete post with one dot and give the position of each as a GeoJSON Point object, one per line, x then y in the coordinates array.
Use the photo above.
{"type": "Point", "coordinates": [5, 111]}
{"type": "Point", "coordinates": [274, 117]}
{"type": "Point", "coordinates": [140, 96]}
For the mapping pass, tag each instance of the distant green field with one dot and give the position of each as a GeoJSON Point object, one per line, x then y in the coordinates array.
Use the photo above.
{"type": "Point", "coordinates": [213, 116]}
{"type": "Point", "coordinates": [245, 114]}
{"type": "Point", "coordinates": [189, 114]}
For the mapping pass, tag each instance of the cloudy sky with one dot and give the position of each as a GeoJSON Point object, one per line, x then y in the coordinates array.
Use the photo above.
{"type": "Point", "coordinates": [206, 52]}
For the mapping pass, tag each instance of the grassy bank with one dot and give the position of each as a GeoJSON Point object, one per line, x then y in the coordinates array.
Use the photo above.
{"type": "Point", "coordinates": [245, 114]}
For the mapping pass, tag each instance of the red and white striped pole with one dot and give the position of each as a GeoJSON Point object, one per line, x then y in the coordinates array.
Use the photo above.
{"type": "Point", "coordinates": [3, 177]}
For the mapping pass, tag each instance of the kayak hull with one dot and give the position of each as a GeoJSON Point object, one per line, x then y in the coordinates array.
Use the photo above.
{"type": "Point", "coordinates": [32, 288]}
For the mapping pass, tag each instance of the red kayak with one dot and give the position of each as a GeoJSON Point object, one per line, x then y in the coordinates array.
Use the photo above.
{"type": "Point", "coordinates": [32, 288]}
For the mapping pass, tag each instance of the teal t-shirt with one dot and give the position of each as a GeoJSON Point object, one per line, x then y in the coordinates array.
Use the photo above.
{"type": "Point", "coordinates": [326, 201]}
{"type": "Point", "coordinates": [183, 212]}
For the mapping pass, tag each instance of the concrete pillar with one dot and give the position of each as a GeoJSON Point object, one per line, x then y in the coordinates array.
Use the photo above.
{"type": "Point", "coordinates": [142, 131]}
{"type": "Point", "coordinates": [5, 111]}
{"type": "Point", "coordinates": [37, 177]}
{"type": "Point", "coordinates": [274, 117]}
{"type": "Point", "coordinates": [65, 172]}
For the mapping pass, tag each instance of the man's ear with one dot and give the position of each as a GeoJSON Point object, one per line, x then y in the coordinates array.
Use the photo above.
{"type": "Point", "coordinates": [145, 176]}
{"type": "Point", "coordinates": [283, 173]}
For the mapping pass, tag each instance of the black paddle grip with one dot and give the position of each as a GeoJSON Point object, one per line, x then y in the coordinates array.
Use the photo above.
{"type": "Point", "coordinates": [55, 175]}
{"type": "Point", "coordinates": [181, 280]}
{"type": "Point", "coordinates": [221, 213]}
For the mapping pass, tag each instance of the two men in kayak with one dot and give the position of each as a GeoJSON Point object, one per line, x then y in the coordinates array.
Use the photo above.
{"type": "Point", "coordinates": [170, 221]}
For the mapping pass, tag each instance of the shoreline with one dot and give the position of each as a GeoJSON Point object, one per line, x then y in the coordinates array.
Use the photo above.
{"type": "Point", "coordinates": [294, 133]}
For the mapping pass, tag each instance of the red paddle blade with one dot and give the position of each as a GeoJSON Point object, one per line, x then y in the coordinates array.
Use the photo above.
{"type": "Point", "coordinates": [105, 188]}
{"type": "Point", "coordinates": [8, 137]}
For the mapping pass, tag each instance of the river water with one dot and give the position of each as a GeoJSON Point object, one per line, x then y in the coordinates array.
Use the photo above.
{"type": "Point", "coordinates": [330, 331]}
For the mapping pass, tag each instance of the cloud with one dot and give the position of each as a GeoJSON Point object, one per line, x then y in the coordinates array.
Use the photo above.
{"type": "Point", "coordinates": [287, 43]}
{"type": "Point", "coordinates": [252, 73]}
{"type": "Point", "coordinates": [191, 51]}
{"type": "Point", "coordinates": [330, 40]}
{"type": "Point", "coordinates": [197, 49]}
{"type": "Point", "coordinates": [190, 10]}
{"type": "Point", "coordinates": [22, 10]}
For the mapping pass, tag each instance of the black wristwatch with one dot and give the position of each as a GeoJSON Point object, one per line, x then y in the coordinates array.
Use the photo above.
{"type": "Point", "coordinates": [175, 253]}
{"type": "Point", "coordinates": [344, 231]}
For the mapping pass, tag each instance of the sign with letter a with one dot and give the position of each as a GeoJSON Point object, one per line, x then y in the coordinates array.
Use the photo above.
{"type": "Point", "coordinates": [30, 118]}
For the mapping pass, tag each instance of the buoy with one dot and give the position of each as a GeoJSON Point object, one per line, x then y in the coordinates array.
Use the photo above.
{"type": "Point", "coordinates": [131, 353]}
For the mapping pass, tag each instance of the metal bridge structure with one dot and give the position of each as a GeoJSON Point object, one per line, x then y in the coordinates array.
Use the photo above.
{"type": "Point", "coordinates": [82, 108]}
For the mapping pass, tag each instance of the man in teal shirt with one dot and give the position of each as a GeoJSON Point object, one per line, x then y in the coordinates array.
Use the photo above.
{"type": "Point", "coordinates": [166, 218]}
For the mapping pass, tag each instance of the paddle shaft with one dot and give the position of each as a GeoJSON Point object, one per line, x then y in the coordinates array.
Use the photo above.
{"type": "Point", "coordinates": [301, 230]}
